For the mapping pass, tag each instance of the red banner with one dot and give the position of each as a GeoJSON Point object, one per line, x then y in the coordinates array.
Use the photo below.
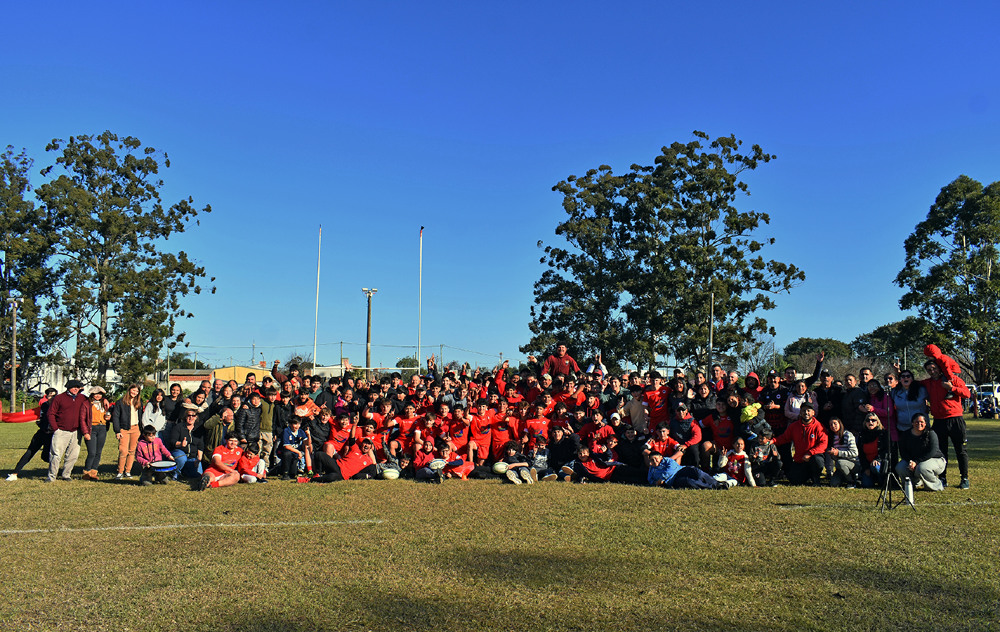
{"type": "Point", "coordinates": [20, 418]}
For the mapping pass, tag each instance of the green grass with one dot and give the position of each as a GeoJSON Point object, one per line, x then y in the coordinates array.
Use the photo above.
{"type": "Point", "coordinates": [480, 555]}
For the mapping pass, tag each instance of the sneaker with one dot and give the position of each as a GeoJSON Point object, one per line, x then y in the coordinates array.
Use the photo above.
{"type": "Point", "coordinates": [204, 482]}
{"type": "Point", "coordinates": [261, 480]}
{"type": "Point", "coordinates": [128, 474]}
{"type": "Point", "coordinates": [567, 470]}
{"type": "Point", "coordinates": [964, 484]}
{"type": "Point", "coordinates": [439, 476]}
{"type": "Point", "coordinates": [512, 477]}
{"type": "Point", "coordinates": [11, 477]}
{"type": "Point", "coordinates": [944, 480]}
{"type": "Point", "coordinates": [550, 477]}
{"type": "Point", "coordinates": [66, 478]}
{"type": "Point", "coordinates": [119, 476]}
{"type": "Point", "coordinates": [147, 483]}
{"type": "Point", "coordinates": [526, 477]}
{"type": "Point", "coordinates": [534, 475]}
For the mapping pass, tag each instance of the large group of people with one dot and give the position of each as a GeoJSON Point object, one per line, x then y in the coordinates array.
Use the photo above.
{"type": "Point", "coordinates": [551, 421]}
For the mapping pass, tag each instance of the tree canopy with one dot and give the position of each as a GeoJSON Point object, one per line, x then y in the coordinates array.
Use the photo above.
{"type": "Point", "coordinates": [948, 275]}
{"type": "Point", "coordinates": [647, 249]}
{"type": "Point", "coordinates": [812, 346]}
{"type": "Point", "coordinates": [120, 292]}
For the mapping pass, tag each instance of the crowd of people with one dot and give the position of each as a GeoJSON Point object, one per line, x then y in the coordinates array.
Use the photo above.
{"type": "Point", "coordinates": [551, 421]}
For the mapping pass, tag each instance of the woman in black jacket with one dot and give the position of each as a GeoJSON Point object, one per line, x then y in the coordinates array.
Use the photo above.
{"type": "Point", "coordinates": [920, 455]}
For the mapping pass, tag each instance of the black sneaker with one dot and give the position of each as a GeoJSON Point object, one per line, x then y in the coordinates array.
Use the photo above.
{"type": "Point", "coordinates": [964, 484]}
{"type": "Point", "coordinates": [204, 482]}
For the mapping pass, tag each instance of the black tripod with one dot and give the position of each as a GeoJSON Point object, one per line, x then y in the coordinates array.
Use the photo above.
{"type": "Point", "coordinates": [885, 502]}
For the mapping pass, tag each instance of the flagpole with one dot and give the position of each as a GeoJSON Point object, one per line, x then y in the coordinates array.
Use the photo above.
{"type": "Point", "coordinates": [420, 296]}
{"type": "Point", "coordinates": [319, 251]}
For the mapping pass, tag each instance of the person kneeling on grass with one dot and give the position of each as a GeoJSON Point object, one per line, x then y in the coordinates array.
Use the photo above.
{"type": "Point", "coordinates": [251, 467]}
{"type": "Point", "coordinates": [148, 449]}
{"type": "Point", "coordinates": [293, 453]}
{"type": "Point", "coordinates": [668, 472]}
{"type": "Point", "coordinates": [222, 472]}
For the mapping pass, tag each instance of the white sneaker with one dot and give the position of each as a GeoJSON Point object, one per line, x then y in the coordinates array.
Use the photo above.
{"type": "Point", "coordinates": [512, 477]}
{"type": "Point", "coordinates": [526, 477]}
{"type": "Point", "coordinates": [128, 474]}
{"type": "Point", "coordinates": [12, 477]}
{"type": "Point", "coordinates": [119, 476]}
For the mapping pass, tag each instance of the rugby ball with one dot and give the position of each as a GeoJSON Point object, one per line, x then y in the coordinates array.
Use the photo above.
{"type": "Point", "coordinates": [390, 474]}
{"type": "Point", "coordinates": [437, 464]}
{"type": "Point", "coordinates": [499, 467]}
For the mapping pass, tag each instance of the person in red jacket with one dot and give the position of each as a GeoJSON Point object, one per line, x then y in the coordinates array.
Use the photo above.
{"type": "Point", "coordinates": [945, 392]}
{"type": "Point", "coordinates": [559, 363]}
{"type": "Point", "coordinates": [809, 440]}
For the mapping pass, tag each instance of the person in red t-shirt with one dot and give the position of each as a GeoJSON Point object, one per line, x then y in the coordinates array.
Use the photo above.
{"type": "Point", "coordinates": [250, 466]}
{"type": "Point", "coordinates": [660, 443]}
{"type": "Point", "coordinates": [656, 403]}
{"type": "Point", "coordinates": [222, 472]}
{"type": "Point", "coordinates": [357, 461]}
{"type": "Point", "coordinates": [480, 431]}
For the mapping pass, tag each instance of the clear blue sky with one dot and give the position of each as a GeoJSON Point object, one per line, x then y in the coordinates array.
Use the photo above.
{"type": "Point", "coordinates": [375, 118]}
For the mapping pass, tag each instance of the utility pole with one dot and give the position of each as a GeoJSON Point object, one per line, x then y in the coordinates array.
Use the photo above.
{"type": "Point", "coordinates": [368, 345]}
{"type": "Point", "coordinates": [13, 351]}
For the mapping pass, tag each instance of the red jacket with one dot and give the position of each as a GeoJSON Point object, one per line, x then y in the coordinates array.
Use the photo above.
{"type": "Point", "coordinates": [944, 403]}
{"type": "Point", "coordinates": [808, 439]}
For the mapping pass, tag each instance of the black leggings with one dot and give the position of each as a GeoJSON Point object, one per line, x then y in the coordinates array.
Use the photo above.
{"type": "Point", "coordinates": [41, 440]}
{"type": "Point", "coordinates": [953, 428]}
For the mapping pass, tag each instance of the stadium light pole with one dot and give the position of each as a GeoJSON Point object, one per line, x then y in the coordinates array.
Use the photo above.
{"type": "Point", "coordinates": [13, 351]}
{"type": "Point", "coordinates": [368, 344]}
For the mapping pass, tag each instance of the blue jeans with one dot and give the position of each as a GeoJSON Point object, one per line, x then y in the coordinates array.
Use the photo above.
{"type": "Point", "coordinates": [186, 466]}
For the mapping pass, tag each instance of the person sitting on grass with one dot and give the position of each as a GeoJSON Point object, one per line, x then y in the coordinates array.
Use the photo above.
{"type": "Point", "coordinates": [251, 467]}
{"type": "Point", "coordinates": [422, 461]}
{"type": "Point", "coordinates": [457, 467]}
{"type": "Point", "coordinates": [873, 453]}
{"type": "Point", "coordinates": [920, 456]}
{"type": "Point", "coordinates": [222, 472]}
{"type": "Point", "coordinates": [668, 472]}
{"type": "Point", "coordinates": [737, 467]}
{"type": "Point", "coordinates": [356, 461]}
{"type": "Point", "coordinates": [518, 467]}
{"type": "Point", "coordinates": [586, 469]}
{"type": "Point", "coordinates": [842, 454]}
{"type": "Point", "coordinates": [809, 440]}
{"type": "Point", "coordinates": [765, 460]}
{"type": "Point", "coordinates": [294, 457]}
{"type": "Point", "coordinates": [149, 449]}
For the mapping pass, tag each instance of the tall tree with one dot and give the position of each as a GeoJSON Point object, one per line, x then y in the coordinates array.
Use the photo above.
{"type": "Point", "coordinates": [899, 341]}
{"type": "Point", "coordinates": [122, 287]}
{"type": "Point", "coordinates": [948, 276]}
{"type": "Point", "coordinates": [646, 251]}
{"type": "Point", "coordinates": [26, 238]}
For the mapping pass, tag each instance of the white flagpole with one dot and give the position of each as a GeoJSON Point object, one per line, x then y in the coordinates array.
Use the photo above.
{"type": "Point", "coordinates": [319, 251]}
{"type": "Point", "coordinates": [420, 296]}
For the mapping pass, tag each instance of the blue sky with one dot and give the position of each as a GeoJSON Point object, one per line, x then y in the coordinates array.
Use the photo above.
{"type": "Point", "coordinates": [373, 119]}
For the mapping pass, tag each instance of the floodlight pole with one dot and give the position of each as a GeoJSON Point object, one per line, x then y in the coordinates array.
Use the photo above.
{"type": "Point", "coordinates": [368, 344]}
{"type": "Point", "coordinates": [319, 252]}
{"type": "Point", "coordinates": [420, 295]}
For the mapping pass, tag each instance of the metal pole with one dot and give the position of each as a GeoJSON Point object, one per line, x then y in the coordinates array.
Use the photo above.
{"type": "Point", "coordinates": [319, 250]}
{"type": "Point", "coordinates": [13, 351]}
{"type": "Point", "coordinates": [420, 295]}
{"type": "Point", "coordinates": [368, 345]}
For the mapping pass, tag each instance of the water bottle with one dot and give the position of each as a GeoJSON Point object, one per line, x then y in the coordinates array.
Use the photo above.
{"type": "Point", "coordinates": [908, 489]}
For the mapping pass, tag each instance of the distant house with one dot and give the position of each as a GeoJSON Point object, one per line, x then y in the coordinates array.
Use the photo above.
{"type": "Point", "coordinates": [190, 379]}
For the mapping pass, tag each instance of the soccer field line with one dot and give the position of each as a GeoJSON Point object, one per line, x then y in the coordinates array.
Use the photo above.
{"type": "Point", "coordinates": [964, 503]}
{"type": "Point", "coordinates": [203, 525]}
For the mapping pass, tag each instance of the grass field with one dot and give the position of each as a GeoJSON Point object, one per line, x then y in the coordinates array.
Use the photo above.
{"type": "Point", "coordinates": [480, 555]}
